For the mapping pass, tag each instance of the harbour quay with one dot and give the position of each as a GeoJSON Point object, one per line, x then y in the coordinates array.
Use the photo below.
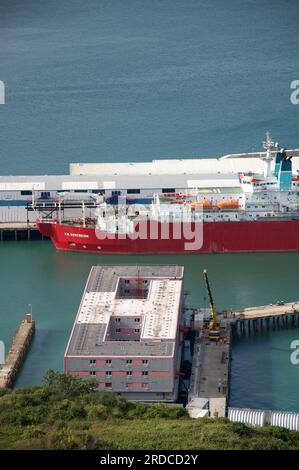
{"type": "Point", "coordinates": [210, 376]}
{"type": "Point", "coordinates": [18, 231]}
{"type": "Point", "coordinates": [211, 362]}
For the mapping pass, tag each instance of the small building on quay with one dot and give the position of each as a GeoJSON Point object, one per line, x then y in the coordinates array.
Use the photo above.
{"type": "Point", "coordinates": [127, 331]}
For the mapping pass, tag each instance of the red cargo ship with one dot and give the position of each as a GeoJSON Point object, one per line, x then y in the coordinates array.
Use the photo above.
{"type": "Point", "coordinates": [263, 216]}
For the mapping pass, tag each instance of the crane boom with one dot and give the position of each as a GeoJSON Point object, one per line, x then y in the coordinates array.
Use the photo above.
{"type": "Point", "coordinates": [213, 326]}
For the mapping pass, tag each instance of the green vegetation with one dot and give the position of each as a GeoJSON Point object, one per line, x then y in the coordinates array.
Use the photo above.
{"type": "Point", "coordinates": [68, 413]}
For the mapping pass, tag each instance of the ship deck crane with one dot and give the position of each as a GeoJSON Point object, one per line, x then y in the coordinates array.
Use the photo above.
{"type": "Point", "coordinates": [214, 331]}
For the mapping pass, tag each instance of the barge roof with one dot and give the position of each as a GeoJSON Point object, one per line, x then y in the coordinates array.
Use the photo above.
{"type": "Point", "coordinates": [159, 311]}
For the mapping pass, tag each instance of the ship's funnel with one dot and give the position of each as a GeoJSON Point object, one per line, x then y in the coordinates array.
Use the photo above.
{"type": "Point", "coordinates": [278, 159]}
{"type": "Point", "coordinates": [285, 174]}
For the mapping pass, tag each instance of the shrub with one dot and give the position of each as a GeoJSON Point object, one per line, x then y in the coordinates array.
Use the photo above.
{"type": "Point", "coordinates": [97, 411]}
{"type": "Point", "coordinates": [242, 430]}
{"type": "Point", "coordinates": [67, 410]}
{"type": "Point", "coordinates": [67, 385]}
{"type": "Point", "coordinates": [279, 433]}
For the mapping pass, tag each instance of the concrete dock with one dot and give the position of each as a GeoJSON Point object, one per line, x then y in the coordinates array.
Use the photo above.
{"type": "Point", "coordinates": [17, 352]}
{"type": "Point", "coordinates": [209, 385]}
{"type": "Point", "coordinates": [210, 376]}
{"type": "Point", "coordinates": [19, 231]}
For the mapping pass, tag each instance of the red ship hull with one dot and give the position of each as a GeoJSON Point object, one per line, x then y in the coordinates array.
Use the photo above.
{"type": "Point", "coordinates": [217, 237]}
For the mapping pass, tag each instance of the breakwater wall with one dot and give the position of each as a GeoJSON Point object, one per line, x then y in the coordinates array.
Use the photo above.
{"type": "Point", "coordinates": [17, 352]}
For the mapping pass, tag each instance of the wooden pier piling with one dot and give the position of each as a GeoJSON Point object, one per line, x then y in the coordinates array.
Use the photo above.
{"type": "Point", "coordinates": [259, 319]}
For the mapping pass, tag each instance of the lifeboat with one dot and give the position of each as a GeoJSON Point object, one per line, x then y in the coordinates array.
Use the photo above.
{"type": "Point", "coordinates": [204, 204]}
{"type": "Point", "coordinates": [229, 204]}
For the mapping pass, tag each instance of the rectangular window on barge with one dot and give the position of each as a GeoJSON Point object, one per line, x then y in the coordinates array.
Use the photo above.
{"type": "Point", "coordinates": [45, 195]}
{"type": "Point", "coordinates": [26, 193]}
{"type": "Point", "coordinates": [168, 190]}
{"type": "Point", "coordinates": [133, 191]}
{"type": "Point", "coordinates": [98, 191]}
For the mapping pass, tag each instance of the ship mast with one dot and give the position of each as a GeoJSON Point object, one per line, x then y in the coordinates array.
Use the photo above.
{"type": "Point", "coordinates": [268, 145]}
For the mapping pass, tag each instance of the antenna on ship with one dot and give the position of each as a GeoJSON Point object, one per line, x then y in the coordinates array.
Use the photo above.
{"type": "Point", "coordinates": [268, 145]}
